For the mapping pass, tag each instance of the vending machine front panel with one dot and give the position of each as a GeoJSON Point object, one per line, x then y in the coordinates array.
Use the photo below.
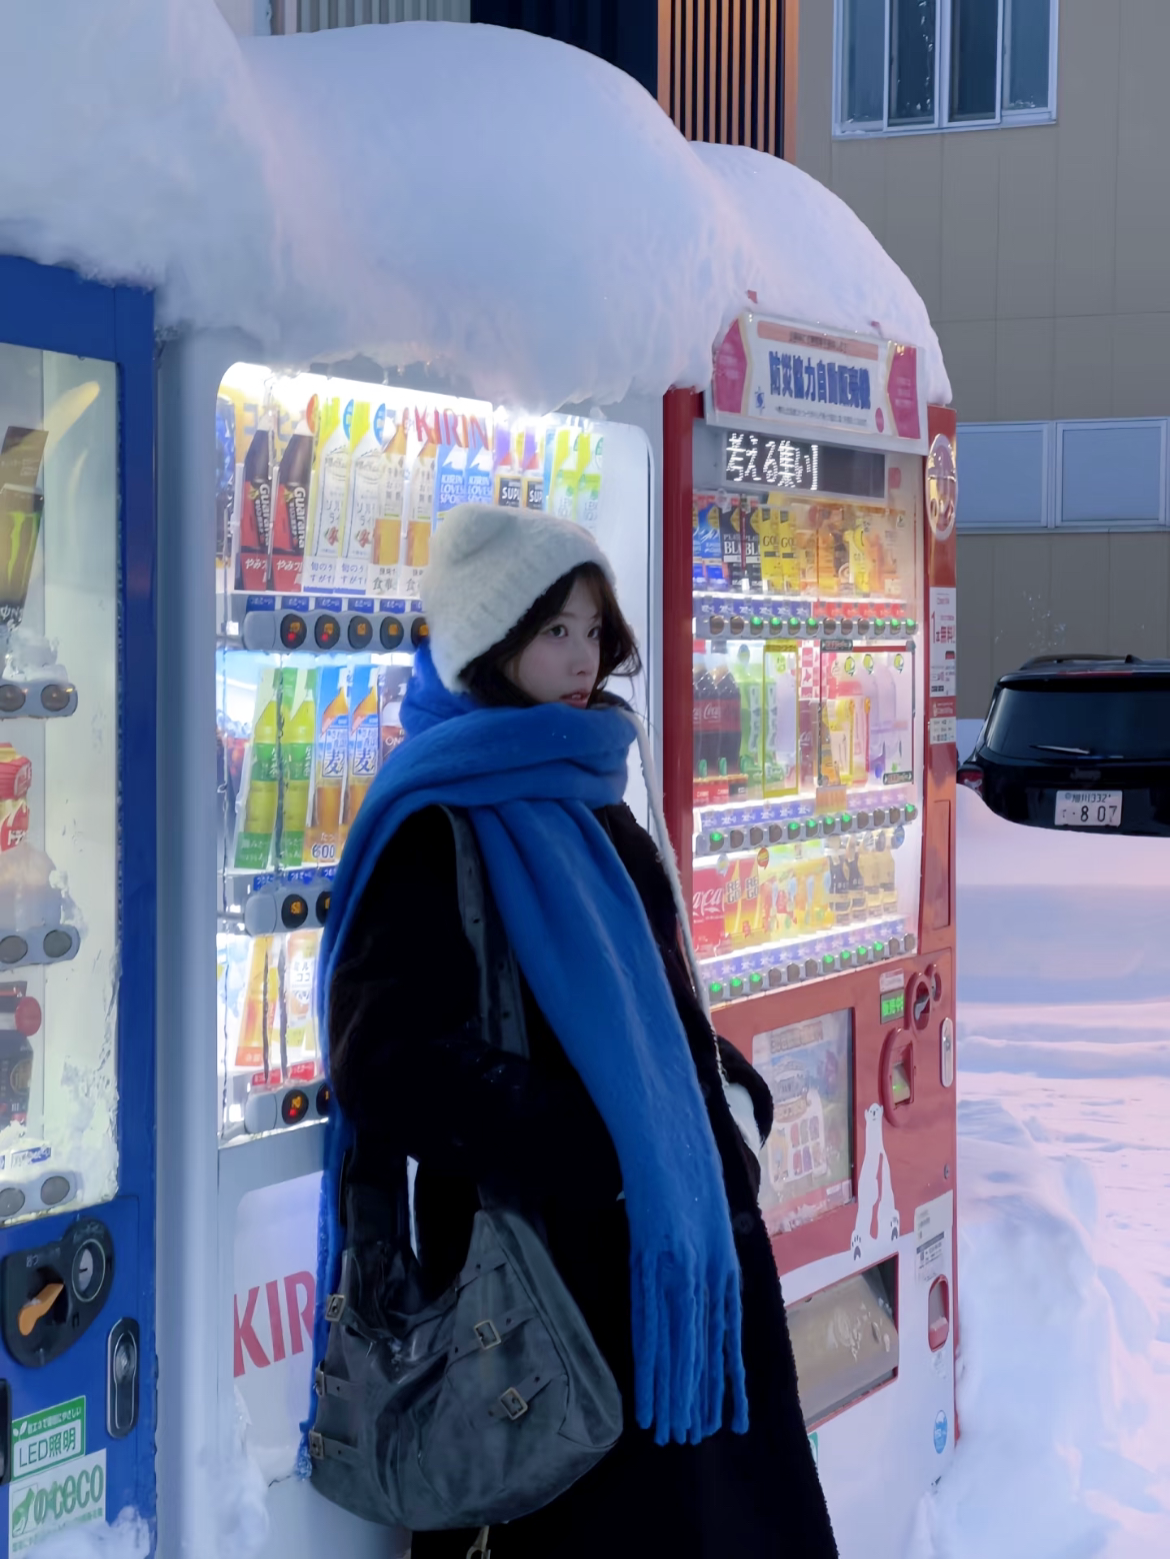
{"type": "Point", "coordinates": [77, 931]}
{"type": "Point", "coordinates": [809, 759]}
{"type": "Point", "coordinates": [327, 494]}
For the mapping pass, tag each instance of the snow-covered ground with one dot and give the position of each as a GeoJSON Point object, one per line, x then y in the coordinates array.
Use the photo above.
{"type": "Point", "coordinates": [1064, 1199]}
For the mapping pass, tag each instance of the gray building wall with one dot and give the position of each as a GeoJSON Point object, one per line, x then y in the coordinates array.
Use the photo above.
{"type": "Point", "coordinates": [1043, 255]}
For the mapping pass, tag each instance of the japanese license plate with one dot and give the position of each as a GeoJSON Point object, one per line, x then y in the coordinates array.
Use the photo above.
{"type": "Point", "coordinates": [1088, 809]}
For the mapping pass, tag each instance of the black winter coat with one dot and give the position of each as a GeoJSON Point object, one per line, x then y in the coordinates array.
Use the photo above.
{"type": "Point", "coordinates": [411, 1071]}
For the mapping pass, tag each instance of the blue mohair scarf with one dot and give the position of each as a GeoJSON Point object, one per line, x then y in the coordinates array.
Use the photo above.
{"type": "Point", "coordinates": [529, 780]}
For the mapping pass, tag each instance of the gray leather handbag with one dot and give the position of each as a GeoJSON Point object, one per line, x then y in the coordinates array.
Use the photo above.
{"type": "Point", "coordinates": [485, 1403]}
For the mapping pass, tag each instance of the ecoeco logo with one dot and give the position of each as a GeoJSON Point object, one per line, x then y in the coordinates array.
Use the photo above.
{"type": "Point", "coordinates": [40, 1506]}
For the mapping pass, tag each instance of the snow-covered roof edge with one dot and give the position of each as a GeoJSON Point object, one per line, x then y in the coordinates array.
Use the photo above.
{"type": "Point", "coordinates": [513, 212]}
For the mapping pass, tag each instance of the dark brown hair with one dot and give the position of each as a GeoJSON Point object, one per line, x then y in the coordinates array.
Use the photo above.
{"type": "Point", "coordinates": [486, 678]}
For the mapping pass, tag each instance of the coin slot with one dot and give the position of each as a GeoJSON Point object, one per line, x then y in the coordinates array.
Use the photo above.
{"type": "Point", "coordinates": [89, 1271]}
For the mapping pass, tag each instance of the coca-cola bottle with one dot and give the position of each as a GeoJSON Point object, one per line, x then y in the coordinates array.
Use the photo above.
{"type": "Point", "coordinates": [730, 722]}
{"type": "Point", "coordinates": [697, 699]}
{"type": "Point", "coordinates": [709, 717]}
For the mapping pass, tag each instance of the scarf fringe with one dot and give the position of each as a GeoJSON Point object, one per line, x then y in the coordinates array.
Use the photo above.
{"type": "Point", "coordinates": [687, 1330]}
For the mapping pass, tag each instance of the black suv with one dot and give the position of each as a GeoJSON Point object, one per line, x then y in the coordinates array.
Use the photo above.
{"type": "Point", "coordinates": [1080, 742]}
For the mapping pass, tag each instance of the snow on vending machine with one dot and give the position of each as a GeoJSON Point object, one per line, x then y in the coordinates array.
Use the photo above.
{"type": "Point", "coordinates": [77, 869]}
{"type": "Point", "coordinates": [310, 531]}
{"type": "Point", "coordinates": [809, 697]}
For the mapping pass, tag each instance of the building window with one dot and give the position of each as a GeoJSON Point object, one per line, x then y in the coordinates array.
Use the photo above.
{"type": "Point", "coordinates": [906, 65]}
{"type": "Point", "coordinates": [1072, 476]}
{"type": "Point", "coordinates": [322, 15]}
{"type": "Point", "coordinates": [1005, 475]}
{"type": "Point", "coordinates": [1111, 474]}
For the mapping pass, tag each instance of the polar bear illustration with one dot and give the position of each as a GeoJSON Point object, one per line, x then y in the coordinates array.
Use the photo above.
{"type": "Point", "coordinates": [877, 1212]}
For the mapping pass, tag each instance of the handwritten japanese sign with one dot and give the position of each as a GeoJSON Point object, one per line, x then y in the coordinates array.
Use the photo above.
{"type": "Point", "coordinates": [755, 460]}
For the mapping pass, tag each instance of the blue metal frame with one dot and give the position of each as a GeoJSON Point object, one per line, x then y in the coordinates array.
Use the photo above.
{"type": "Point", "coordinates": [54, 310]}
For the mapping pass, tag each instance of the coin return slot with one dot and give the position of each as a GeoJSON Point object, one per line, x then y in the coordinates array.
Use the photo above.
{"type": "Point", "coordinates": [49, 1303]}
{"type": "Point", "coordinates": [896, 1077]}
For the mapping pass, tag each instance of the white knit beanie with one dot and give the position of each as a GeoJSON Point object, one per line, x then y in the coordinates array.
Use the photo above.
{"type": "Point", "coordinates": [488, 565]}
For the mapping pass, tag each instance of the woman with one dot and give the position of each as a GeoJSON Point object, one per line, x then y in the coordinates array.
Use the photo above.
{"type": "Point", "coordinates": [618, 1126]}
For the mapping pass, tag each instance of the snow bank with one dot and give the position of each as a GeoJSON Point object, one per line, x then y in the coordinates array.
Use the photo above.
{"type": "Point", "coordinates": [1044, 1468]}
{"type": "Point", "coordinates": [1064, 1220]}
{"type": "Point", "coordinates": [508, 210]}
{"type": "Point", "coordinates": [126, 1538]}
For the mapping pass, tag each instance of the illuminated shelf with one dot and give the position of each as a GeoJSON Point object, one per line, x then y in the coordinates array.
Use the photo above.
{"type": "Point", "coordinates": [892, 632]}
{"type": "Point", "coordinates": [795, 943]}
{"type": "Point", "coordinates": [843, 825]}
{"type": "Point", "coordinates": [801, 809]}
{"type": "Point", "coordinates": [320, 624]}
{"type": "Point", "coordinates": [842, 606]}
{"type": "Point", "coordinates": [263, 903]}
{"type": "Point", "coordinates": [755, 971]}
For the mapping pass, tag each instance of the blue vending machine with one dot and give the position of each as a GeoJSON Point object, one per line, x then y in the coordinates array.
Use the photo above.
{"type": "Point", "coordinates": [77, 903]}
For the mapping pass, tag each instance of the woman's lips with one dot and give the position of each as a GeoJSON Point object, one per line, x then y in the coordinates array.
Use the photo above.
{"type": "Point", "coordinates": [578, 700]}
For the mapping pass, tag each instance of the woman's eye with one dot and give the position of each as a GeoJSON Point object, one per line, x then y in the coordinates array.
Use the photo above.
{"type": "Point", "coordinates": [595, 633]}
{"type": "Point", "coordinates": [557, 630]}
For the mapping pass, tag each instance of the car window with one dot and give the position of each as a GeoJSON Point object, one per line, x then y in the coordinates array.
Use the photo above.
{"type": "Point", "coordinates": [1130, 722]}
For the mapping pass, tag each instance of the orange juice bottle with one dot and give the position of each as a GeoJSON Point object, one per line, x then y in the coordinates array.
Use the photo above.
{"type": "Point", "coordinates": [260, 1024]}
{"type": "Point", "coordinates": [300, 972]}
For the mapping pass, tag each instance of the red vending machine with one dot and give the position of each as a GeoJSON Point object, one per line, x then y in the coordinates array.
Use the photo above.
{"type": "Point", "coordinates": [809, 753]}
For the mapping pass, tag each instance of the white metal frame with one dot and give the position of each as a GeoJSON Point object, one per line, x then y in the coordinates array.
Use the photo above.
{"type": "Point", "coordinates": [1052, 474]}
{"type": "Point", "coordinates": [973, 430]}
{"type": "Point", "coordinates": [1110, 424]}
{"type": "Point", "coordinates": [1004, 118]}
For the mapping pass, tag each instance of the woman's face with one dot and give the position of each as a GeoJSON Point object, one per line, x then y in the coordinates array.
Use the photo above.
{"type": "Point", "coordinates": [561, 664]}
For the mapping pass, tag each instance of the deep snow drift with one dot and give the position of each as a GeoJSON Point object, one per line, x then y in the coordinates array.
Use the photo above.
{"type": "Point", "coordinates": [515, 213]}
{"type": "Point", "coordinates": [1064, 1199]}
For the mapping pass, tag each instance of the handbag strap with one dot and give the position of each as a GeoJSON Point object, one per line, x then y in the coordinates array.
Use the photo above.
{"type": "Point", "coordinates": [501, 1003]}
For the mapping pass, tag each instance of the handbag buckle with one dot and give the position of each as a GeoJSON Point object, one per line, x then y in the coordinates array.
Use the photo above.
{"type": "Point", "coordinates": [513, 1404]}
{"type": "Point", "coordinates": [487, 1335]}
{"type": "Point", "coordinates": [335, 1307]}
{"type": "Point", "coordinates": [319, 1381]}
{"type": "Point", "coordinates": [316, 1445]}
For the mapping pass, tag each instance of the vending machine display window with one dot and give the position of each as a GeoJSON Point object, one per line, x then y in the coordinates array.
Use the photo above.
{"type": "Point", "coordinates": [59, 743]}
{"type": "Point", "coordinates": [807, 708]}
{"type": "Point", "coordinates": [328, 494]}
{"type": "Point", "coordinates": [808, 1158]}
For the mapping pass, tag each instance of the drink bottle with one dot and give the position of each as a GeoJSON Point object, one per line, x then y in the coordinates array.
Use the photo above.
{"type": "Point", "coordinates": [710, 715]}
{"type": "Point", "coordinates": [730, 722]}
{"type": "Point", "coordinates": [256, 513]}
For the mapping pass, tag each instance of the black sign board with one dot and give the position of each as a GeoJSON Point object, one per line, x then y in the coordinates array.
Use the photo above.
{"type": "Point", "coordinates": [794, 465]}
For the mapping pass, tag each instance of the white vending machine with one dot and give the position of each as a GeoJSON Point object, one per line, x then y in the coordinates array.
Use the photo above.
{"type": "Point", "coordinates": [297, 511]}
